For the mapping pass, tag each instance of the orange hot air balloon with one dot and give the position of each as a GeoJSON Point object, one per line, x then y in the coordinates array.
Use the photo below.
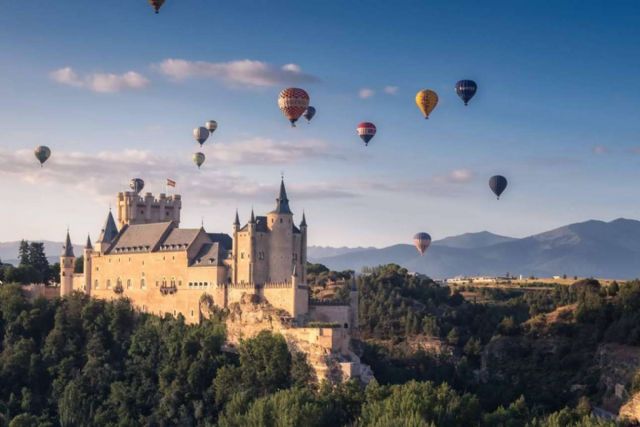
{"type": "Point", "coordinates": [156, 4]}
{"type": "Point", "coordinates": [293, 102]}
{"type": "Point", "coordinates": [426, 100]}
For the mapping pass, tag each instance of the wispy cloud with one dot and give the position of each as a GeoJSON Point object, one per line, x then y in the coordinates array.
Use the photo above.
{"type": "Point", "coordinates": [600, 149]}
{"type": "Point", "coordinates": [366, 93]}
{"type": "Point", "coordinates": [247, 73]}
{"type": "Point", "coordinates": [391, 90]}
{"type": "Point", "coordinates": [100, 82]}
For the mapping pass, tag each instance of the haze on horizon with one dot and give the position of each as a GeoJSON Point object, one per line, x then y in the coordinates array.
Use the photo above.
{"type": "Point", "coordinates": [115, 91]}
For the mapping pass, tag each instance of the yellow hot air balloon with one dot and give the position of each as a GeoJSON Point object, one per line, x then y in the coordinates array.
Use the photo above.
{"type": "Point", "coordinates": [426, 100]}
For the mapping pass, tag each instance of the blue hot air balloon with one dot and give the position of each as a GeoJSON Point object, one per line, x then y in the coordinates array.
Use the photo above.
{"type": "Point", "coordinates": [498, 184]}
{"type": "Point", "coordinates": [466, 89]}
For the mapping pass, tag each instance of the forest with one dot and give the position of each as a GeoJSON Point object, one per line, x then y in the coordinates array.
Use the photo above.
{"type": "Point", "coordinates": [441, 357]}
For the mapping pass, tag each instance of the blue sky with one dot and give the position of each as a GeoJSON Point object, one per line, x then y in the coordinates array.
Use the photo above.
{"type": "Point", "coordinates": [115, 91]}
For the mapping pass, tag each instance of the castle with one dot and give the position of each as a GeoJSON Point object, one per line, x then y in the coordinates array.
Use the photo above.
{"type": "Point", "coordinates": [258, 274]}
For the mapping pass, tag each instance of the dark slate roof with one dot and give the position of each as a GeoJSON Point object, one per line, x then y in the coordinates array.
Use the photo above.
{"type": "Point", "coordinates": [67, 248]}
{"type": "Point", "coordinates": [261, 225]}
{"type": "Point", "coordinates": [109, 231]}
{"type": "Point", "coordinates": [304, 220]}
{"type": "Point", "coordinates": [237, 220]}
{"type": "Point", "coordinates": [282, 202]}
{"type": "Point", "coordinates": [224, 239]}
{"type": "Point", "coordinates": [141, 237]}
{"type": "Point", "coordinates": [210, 254]}
{"type": "Point", "coordinates": [88, 245]}
{"type": "Point", "coordinates": [179, 239]}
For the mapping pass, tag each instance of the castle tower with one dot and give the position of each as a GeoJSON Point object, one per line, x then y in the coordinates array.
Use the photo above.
{"type": "Point", "coordinates": [67, 264]}
{"type": "Point", "coordinates": [280, 223]}
{"type": "Point", "coordinates": [134, 209]}
{"type": "Point", "coordinates": [252, 246]}
{"type": "Point", "coordinates": [107, 234]}
{"type": "Point", "coordinates": [236, 228]}
{"type": "Point", "coordinates": [303, 249]}
{"type": "Point", "coordinates": [87, 253]}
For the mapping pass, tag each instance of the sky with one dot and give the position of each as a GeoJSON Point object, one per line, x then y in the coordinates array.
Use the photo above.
{"type": "Point", "coordinates": [115, 91]}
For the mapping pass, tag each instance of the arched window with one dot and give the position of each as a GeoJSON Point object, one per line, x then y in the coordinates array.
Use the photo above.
{"type": "Point", "coordinates": [128, 283]}
{"type": "Point", "coordinates": [108, 284]}
{"type": "Point", "coordinates": [142, 284]}
{"type": "Point", "coordinates": [96, 284]}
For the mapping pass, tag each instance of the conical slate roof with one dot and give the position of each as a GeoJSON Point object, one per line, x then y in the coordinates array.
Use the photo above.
{"type": "Point", "coordinates": [109, 231]}
{"type": "Point", "coordinates": [282, 202]}
{"type": "Point", "coordinates": [67, 248]}
{"type": "Point", "coordinates": [88, 245]}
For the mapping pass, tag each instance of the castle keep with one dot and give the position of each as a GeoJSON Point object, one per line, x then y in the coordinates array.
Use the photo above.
{"type": "Point", "coordinates": [258, 274]}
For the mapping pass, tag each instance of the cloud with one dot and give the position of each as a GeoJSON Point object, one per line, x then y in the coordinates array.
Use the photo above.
{"type": "Point", "coordinates": [100, 82]}
{"type": "Point", "coordinates": [366, 93]}
{"type": "Point", "coordinates": [391, 90]}
{"type": "Point", "coordinates": [600, 149]}
{"type": "Point", "coordinates": [104, 173]}
{"type": "Point", "coordinates": [247, 73]}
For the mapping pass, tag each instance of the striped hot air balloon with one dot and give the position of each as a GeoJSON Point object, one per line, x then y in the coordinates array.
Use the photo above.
{"type": "Point", "coordinates": [366, 131]}
{"type": "Point", "coordinates": [422, 241]}
{"type": "Point", "coordinates": [426, 100]}
{"type": "Point", "coordinates": [200, 134]}
{"type": "Point", "coordinates": [293, 102]}
{"type": "Point", "coordinates": [211, 126]}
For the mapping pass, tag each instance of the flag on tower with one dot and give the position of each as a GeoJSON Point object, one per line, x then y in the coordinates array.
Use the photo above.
{"type": "Point", "coordinates": [171, 183]}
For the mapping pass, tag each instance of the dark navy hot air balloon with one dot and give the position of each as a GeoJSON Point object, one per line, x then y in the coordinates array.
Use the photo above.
{"type": "Point", "coordinates": [309, 113]}
{"type": "Point", "coordinates": [498, 184]}
{"type": "Point", "coordinates": [42, 153]}
{"type": "Point", "coordinates": [466, 89]}
{"type": "Point", "coordinates": [136, 184]}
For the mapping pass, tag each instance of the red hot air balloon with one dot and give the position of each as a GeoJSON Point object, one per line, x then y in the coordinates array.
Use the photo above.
{"type": "Point", "coordinates": [156, 4]}
{"type": "Point", "coordinates": [422, 241]}
{"type": "Point", "coordinates": [366, 131]}
{"type": "Point", "coordinates": [293, 102]}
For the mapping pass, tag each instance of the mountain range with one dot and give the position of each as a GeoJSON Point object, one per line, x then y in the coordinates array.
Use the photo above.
{"type": "Point", "coordinates": [591, 248]}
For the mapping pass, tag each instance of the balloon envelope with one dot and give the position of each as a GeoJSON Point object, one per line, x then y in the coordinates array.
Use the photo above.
{"type": "Point", "coordinates": [198, 159]}
{"type": "Point", "coordinates": [366, 131]}
{"type": "Point", "coordinates": [211, 126]}
{"type": "Point", "coordinates": [466, 89]}
{"type": "Point", "coordinates": [42, 153]}
{"type": "Point", "coordinates": [498, 184]}
{"type": "Point", "coordinates": [136, 184]}
{"type": "Point", "coordinates": [422, 241]}
{"type": "Point", "coordinates": [309, 113]}
{"type": "Point", "coordinates": [200, 134]}
{"type": "Point", "coordinates": [426, 100]}
{"type": "Point", "coordinates": [156, 4]}
{"type": "Point", "coordinates": [293, 102]}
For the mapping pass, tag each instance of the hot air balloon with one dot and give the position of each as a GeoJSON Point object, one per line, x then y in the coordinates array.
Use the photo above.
{"type": "Point", "coordinates": [421, 241]}
{"type": "Point", "coordinates": [201, 134]}
{"type": "Point", "coordinates": [198, 159]}
{"type": "Point", "coordinates": [293, 102]}
{"type": "Point", "coordinates": [156, 4]}
{"type": "Point", "coordinates": [466, 89]}
{"type": "Point", "coordinates": [136, 184]}
{"type": "Point", "coordinates": [366, 131]}
{"type": "Point", "coordinates": [498, 184]}
{"type": "Point", "coordinates": [426, 101]}
{"type": "Point", "coordinates": [211, 126]}
{"type": "Point", "coordinates": [311, 111]}
{"type": "Point", "coordinates": [42, 153]}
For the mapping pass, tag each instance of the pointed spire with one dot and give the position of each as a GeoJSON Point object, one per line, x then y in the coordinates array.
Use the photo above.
{"type": "Point", "coordinates": [253, 217]}
{"type": "Point", "coordinates": [109, 231]}
{"type": "Point", "coordinates": [88, 245]}
{"type": "Point", "coordinates": [303, 223]}
{"type": "Point", "coordinates": [282, 202]}
{"type": "Point", "coordinates": [67, 248]}
{"type": "Point", "coordinates": [237, 220]}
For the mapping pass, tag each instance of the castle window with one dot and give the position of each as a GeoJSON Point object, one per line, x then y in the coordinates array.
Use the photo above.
{"type": "Point", "coordinates": [280, 220]}
{"type": "Point", "coordinates": [96, 284]}
{"type": "Point", "coordinates": [142, 284]}
{"type": "Point", "coordinates": [191, 313]}
{"type": "Point", "coordinates": [128, 283]}
{"type": "Point", "coordinates": [179, 282]}
{"type": "Point", "coordinates": [108, 284]}
{"type": "Point", "coordinates": [242, 255]}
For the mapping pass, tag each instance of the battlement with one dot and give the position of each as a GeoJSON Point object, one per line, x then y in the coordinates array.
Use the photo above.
{"type": "Point", "coordinates": [147, 209]}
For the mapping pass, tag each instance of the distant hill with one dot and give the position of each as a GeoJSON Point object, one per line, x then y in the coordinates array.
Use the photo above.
{"type": "Point", "coordinates": [9, 251]}
{"type": "Point", "coordinates": [591, 248]}
{"type": "Point", "coordinates": [314, 252]}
